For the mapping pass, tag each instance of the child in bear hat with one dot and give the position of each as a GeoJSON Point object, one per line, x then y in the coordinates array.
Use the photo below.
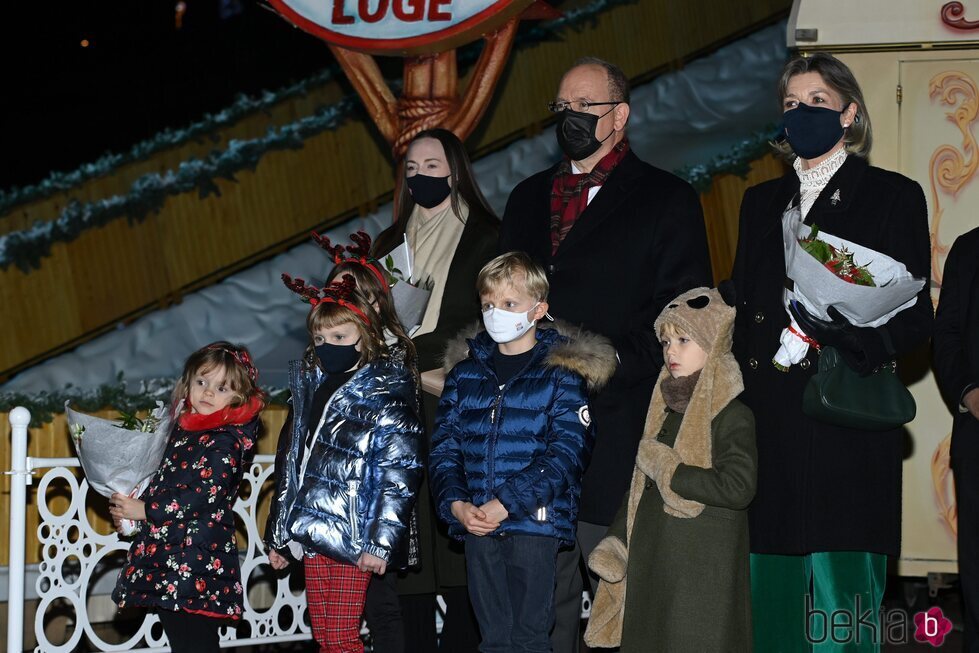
{"type": "Point", "coordinates": [674, 565]}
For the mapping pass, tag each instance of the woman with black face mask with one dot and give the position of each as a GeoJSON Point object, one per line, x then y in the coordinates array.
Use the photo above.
{"type": "Point", "coordinates": [827, 512]}
{"type": "Point", "coordinates": [452, 232]}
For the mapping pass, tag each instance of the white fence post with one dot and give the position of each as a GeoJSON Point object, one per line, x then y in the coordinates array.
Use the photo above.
{"type": "Point", "coordinates": [19, 478]}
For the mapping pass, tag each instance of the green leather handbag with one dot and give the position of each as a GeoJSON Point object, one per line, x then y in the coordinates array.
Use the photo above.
{"type": "Point", "coordinates": [837, 395]}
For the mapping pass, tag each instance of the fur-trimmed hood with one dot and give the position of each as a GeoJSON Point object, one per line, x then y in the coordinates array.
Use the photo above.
{"type": "Point", "coordinates": [587, 354]}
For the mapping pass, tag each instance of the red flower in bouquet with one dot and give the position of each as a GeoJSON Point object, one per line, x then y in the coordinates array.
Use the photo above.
{"type": "Point", "coordinates": [838, 261]}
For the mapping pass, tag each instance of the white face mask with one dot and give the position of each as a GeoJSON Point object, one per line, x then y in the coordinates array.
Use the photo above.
{"type": "Point", "coordinates": [504, 326]}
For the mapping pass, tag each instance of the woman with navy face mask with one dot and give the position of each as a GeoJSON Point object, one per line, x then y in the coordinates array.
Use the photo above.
{"type": "Point", "coordinates": [452, 232]}
{"type": "Point", "coordinates": [827, 512]}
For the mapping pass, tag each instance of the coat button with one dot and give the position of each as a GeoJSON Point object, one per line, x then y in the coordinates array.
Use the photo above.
{"type": "Point", "coordinates": [551, 268]}
{"type": "Point", "coordinates": [649, 483]}
{"type": "Point", "coordinates": [759, 317]}
{"type": "Point", "coordinates": [752, 363]}
{"type": "Point", "coordinates": [804, 364]}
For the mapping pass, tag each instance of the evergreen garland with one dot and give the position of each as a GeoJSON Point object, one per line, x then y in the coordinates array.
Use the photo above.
{"type": "Point", "coordinates": [736, 161]}
{"type": "Point", "coordinates": [118, 396]}
{"type": "Point", "coordinates": [243, 105]}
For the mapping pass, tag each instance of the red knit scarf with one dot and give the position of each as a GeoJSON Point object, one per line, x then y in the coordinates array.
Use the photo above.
{"type": "Point", "coordinates": [569, 192]}
{"type": "Point", "coordinates": [228, 415]}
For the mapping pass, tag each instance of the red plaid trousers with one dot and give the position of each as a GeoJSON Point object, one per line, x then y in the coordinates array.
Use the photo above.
{"type": "Point", "coordinates": [335, 594]}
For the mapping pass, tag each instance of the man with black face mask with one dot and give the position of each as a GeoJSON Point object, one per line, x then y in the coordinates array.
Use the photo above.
{"type": "Point", "coordinates": [618, 238]}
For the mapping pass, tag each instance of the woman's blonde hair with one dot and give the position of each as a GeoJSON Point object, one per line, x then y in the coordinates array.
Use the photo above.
{"type": "Point", "coordinates": [858, 136]}
{"type": "Point", "coordinates": [327, 315]}
{"type": "Point", "coordinates": [239, 372]}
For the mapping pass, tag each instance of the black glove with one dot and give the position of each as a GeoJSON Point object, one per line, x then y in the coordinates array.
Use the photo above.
{"type": "Point", "coordinates": [840, 334]}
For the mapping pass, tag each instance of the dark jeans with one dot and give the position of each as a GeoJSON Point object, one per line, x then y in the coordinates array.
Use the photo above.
{"type": "Point", "coordinates": [382, 611]}
{"type": "Point", "coordinates": [511, 584]}
{"type": "Point", "coordinates": [190, 633]}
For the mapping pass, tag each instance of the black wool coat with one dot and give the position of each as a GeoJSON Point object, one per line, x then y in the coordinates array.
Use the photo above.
{"type": "Point", "coordinates": [639, 244]}
{"type": "Point", "coordinates": [821, 487]}
{"type": "Point", "coordinates": [957, 319]}
{"type": "Point", "coordinates": [956, 343]}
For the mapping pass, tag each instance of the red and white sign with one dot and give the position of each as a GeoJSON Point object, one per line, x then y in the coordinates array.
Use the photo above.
{"type": "Point", "coordinates": [399, 26]}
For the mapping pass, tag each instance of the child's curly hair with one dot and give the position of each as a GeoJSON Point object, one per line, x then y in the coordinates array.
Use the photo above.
{"type": "Point", "coordinates": [239, 372]}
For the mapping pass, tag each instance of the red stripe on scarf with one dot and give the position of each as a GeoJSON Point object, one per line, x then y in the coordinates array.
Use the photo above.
{"type": "Point", "coordinates": [569, 192]}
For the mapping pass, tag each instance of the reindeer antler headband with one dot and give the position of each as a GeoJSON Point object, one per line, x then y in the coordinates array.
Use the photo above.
{"type": "Point", "coordinates": [338, 292]}
{"type": "Point", "coordinates": [359, 253]}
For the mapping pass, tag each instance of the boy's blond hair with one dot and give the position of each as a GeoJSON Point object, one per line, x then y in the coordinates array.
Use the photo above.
{"type": "Point", "coordinates": [510, 268]}
{"type": "Point", "coordinates": [669, 330]}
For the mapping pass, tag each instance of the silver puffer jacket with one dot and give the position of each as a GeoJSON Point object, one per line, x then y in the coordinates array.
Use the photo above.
{"type": "Point", "coordinates": [355, 490]}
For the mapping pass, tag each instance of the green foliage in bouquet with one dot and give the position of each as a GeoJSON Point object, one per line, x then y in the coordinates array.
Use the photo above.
{"type": "Point", "coordinates": [838, 261]}
{"type": "Point", "coordinates": [392, 272]}
{"type": "Point", "coordinates": [131, 422]}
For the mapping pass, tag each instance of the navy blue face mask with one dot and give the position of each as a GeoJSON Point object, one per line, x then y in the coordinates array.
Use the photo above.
{"type": "Point", "coordinates": [337, 358]}
{"type": "Point", "coordinates": [812, 131]}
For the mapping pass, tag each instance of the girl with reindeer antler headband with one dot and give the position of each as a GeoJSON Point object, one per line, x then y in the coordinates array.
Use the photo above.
{"type": "Point", "coordinates": [345, 487]}
{"type": "Point", "coordinates": [355, 260]}
{"type": "Point", "coordinates": [382, 609]}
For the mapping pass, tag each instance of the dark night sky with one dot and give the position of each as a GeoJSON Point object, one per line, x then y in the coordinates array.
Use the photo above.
{"type": "Point", "coordinates": [65, 105]}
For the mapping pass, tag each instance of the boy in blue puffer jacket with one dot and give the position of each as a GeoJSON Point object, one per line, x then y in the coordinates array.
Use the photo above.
{"type": "Point", "coordinates": [511, 441]}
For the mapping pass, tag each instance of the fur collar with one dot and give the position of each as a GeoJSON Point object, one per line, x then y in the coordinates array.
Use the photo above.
{"type": "Point", "coordinates": [587, 354]}
{"type": "Point", "coordinates": [240, 415]}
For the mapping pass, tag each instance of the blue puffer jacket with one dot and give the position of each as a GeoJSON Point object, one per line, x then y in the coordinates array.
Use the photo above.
{"type": "Point", "coordinates": [526, 443]}
{"type": "Point", "coordinates": [358, 484]}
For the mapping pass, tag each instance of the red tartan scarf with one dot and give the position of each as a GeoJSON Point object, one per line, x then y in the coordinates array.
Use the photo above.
{"type": "Point", "coordinates": [569, 192]}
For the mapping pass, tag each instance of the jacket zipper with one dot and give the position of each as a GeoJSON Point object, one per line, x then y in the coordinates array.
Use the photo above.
{"type": "Point", "coordinates": [312, 441]}
{"type": "Point", "coordinates": [495, 412]}
{"type": "Point", "coordinates": [352, 486]}
{"type": "Point", "coordinates": [491, 454]}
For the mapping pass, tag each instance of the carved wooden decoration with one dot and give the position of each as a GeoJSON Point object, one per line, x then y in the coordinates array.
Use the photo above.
{"type": "Point", "coordinates": [425, 33]}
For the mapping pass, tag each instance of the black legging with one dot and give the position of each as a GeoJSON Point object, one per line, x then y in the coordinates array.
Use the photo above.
{"type": "Point", "coordinates": [382, 611]}
{"type": "Point", "coordinates": [190, 633]}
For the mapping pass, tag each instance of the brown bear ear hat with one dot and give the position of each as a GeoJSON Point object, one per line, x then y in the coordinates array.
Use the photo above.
{"type": "Point", "coordinates": [705, 316]}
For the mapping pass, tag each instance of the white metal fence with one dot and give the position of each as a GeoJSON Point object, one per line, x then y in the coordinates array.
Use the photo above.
{"type": "Point", "coordinates": [75, 556]}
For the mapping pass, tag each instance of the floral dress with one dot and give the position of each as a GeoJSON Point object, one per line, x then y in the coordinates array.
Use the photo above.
{"type": "Point", "coordinates": [185, 557]}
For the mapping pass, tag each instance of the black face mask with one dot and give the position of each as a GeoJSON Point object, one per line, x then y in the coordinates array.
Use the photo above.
{"type": "Point", "coordinates": [576, 133]}
{"type": "Point", "coordinates": [812, 131]}
{"type": "Point", "coordinates": [337, 358]}
{"type": "Point", "coordinates": [428, 191]}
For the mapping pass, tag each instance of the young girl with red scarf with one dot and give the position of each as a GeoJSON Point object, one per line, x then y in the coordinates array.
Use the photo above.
{"type": "Point", "coordinates": [183, 561]}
